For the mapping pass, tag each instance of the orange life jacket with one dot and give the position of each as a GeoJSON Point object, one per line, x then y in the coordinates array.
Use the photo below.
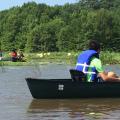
{"type": "Point", "coordinates": [13, 54]}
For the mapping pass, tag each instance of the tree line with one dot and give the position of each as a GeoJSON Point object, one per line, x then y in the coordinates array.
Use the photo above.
{"type": "Point", "coordinates": [38, 27]}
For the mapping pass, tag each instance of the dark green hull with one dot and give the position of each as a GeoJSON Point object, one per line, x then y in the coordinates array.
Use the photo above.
{"type": "Point", "coordinates": [66, 88]}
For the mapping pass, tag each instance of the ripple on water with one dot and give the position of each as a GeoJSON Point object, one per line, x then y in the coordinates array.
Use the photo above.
{"type": "Point", "coordinates": [16, 102]}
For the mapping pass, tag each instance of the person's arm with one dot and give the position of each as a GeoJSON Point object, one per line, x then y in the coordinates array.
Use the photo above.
{"type": "Point", "coordinates": [101, 73]}
{"type": "Point", "coordinates": [106, 77]}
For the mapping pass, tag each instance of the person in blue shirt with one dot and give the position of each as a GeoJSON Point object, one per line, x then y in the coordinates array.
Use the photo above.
{"type": "Point", "coordinates": [89, 63]}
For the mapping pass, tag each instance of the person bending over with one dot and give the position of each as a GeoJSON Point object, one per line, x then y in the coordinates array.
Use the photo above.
{"type": "Point", "coordinates": [89, 63]}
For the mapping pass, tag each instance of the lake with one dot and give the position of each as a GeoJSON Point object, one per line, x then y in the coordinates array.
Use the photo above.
{"type": "Point", "coordinates": [16, 102]}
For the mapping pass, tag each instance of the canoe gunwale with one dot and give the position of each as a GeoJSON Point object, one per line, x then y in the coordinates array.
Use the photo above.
{"type": "Point", "coordinates": [68, 80]}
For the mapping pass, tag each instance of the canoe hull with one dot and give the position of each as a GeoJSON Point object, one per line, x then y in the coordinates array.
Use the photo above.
{"type": "Point", "coordinates": [66, 88]}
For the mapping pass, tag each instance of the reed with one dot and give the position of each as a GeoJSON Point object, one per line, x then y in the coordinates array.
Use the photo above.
{"type": "Point", "coordinates": [2, 66]}
{"type": "Point", "coordinates": [70, 58]}
{"type": "Point", "coordinates": [108, 57]}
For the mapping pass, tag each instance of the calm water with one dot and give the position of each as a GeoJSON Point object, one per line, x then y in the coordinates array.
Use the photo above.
{"type": "Point", "coordinates": [16, 102]}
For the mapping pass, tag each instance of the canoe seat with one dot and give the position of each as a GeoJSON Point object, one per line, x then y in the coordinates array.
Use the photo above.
{"type": "Point", "coordinates": [77, 75]}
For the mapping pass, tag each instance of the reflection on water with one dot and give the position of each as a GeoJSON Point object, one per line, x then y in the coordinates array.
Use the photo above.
{"type": "Point", "coordinates": [76, 108]}
{"type": "Point", "coordinates": [16, 101]}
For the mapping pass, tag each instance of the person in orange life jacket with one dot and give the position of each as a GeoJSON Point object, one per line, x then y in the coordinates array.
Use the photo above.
{"type": "Point", "coordinates": [89, 63]}
{"type": "Point", "coordinates": [13, 55]}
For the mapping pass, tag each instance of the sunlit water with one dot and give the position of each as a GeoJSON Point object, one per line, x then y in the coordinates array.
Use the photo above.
{"type": "Point", "coordinates": [16, 102]}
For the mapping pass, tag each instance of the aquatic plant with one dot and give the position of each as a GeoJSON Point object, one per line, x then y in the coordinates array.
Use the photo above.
{"type": "Point", "coordinates": [106, 57]}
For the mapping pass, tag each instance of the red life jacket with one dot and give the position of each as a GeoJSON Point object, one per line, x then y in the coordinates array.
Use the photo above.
{"type": "Point", "coordinates": [13, 54]}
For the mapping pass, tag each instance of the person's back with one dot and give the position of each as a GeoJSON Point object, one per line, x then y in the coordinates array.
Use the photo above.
{"type": "Point", "coordinates": [13, 55]}
{"type": "Point", "coordinates": [84, 64]}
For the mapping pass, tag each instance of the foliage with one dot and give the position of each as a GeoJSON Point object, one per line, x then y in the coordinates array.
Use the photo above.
{"type": "Point", "coordinates": [70, 58]}
{"type": "Point", "coordinates": [38, 27]}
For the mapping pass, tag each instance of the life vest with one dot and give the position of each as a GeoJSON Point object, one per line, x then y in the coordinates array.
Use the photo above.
{"type": "Point", "coordinates": [13, 54]}
{"type": "Point", "coordinates": [83, 63]}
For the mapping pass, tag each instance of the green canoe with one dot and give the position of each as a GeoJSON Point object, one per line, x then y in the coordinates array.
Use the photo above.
{"type": "Point", "coordinates": [67, 88]}
{"type": "Point", "coordinates": [76, 87]}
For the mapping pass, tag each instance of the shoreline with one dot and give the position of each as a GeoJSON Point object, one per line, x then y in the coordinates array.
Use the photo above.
{"type": "Point", "coordinates": [107, 58]}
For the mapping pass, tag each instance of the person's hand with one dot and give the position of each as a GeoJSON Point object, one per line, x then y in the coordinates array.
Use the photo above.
{"type": "Point", "coordinates": [112, 74]}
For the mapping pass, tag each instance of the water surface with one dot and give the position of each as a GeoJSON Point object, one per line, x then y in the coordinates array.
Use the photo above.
{"type": "Point", "coordinates": [16, 102]}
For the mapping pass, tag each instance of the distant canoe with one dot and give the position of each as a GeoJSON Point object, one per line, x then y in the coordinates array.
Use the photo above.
{"type": "Point", "coordinates": [6, 59]}
{"type": "Point", "coordinates": [67, 88]}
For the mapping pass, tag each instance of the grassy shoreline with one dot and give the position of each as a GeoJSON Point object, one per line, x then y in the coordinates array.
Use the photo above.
{"type": "Point", "coordinates": [69, 58]}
